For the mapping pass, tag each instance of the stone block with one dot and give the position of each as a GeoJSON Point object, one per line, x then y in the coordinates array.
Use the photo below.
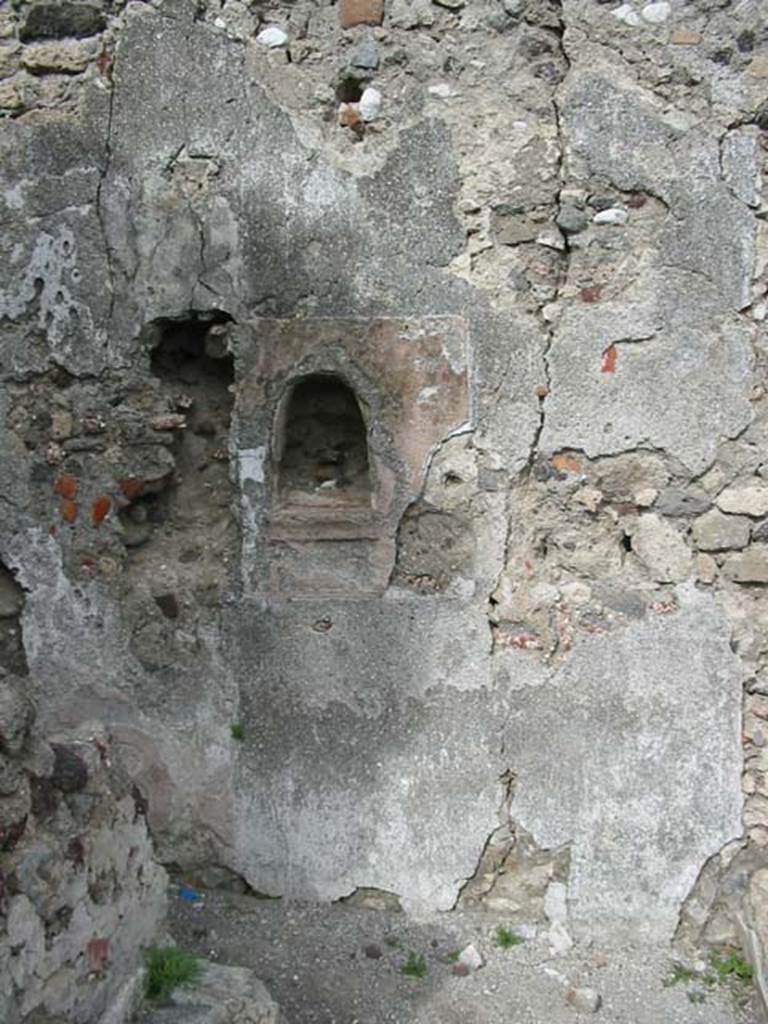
{"type": "Point", "coordinates": [750, 566]}
{"type": "Point", "coordinates": [360, 12]}
{"type": "Point", "coordinates": [715, 531]}
{"type": "Point", "coordinates": [10, 96]}
{"type": "Point", "coordinates": [673, 501]}
{"type": "Point", "coordinates": [67, 57]}
{"type": "Point", "coordinates": [57, 20]}
{"type": "Point", "coordinates": [661, 549]}
{"type": "Point", "coordinates": [225, 995]}
{"type": "Point", "coordinates": [745, 498]}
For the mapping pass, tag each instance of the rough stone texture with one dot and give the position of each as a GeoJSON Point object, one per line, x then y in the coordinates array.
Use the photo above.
{"type": "Point", "coordinates": [748, 566]}
{"type": "Point", "coordinates": [222, 995]}
{"type": "Point", "coordinates": [661, 548]}
{"type": "Point", "coordinates": [717, 532]}
{"type": "Point", "coordinates": [81, 894]}
{"type": "Point", "coordinates": [749, 499]}
{"type": "Point", "coordinates": [541, 274]}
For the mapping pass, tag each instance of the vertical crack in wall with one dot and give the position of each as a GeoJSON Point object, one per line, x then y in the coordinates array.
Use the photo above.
{"type": "Point", "coordinates": [513, 873]}
{"type": "Point", "coordinates": [109, 70]}
{"type": "Point", "coordinates": [547, 327]}
{"type": "Point", "coordinates": [545, 323]}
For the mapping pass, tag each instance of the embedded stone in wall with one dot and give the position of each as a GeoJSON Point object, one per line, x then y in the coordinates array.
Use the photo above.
{"type": "Point", "coordinates": [360, 12]}
{"type": "Point", "coordinates": [85, 895]}
{"type": "Point", "coordinates": [56, 21]}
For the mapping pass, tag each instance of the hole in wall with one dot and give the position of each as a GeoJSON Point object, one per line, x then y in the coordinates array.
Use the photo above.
{"type": "Point", "coordinates": [349, 89]}
{"type": "Point", "coordinates": [13, 657]}
{"type": "Point", "coordinates": [434, 549]}
{"type": "Point", "coordinates": [188, 507]}
{"type": "Point", "coordinates": [324, 446]}
{"type": "Point", "coordinates": [193, 361]}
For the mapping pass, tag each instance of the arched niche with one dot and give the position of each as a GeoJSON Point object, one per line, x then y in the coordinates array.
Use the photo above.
{"type": "Point", "coordinates": [321, 446]}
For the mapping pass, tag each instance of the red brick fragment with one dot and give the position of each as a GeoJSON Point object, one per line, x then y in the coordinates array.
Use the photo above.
{"type": "Point", "coordinates": [131, 487]}
{"type": "Point", "coordinates": [98, 953]}
{"type": "Point", "coordinates": [609, 360]}
{"type": "Point", "coordinates": [68, 510]}
{"type": "Point", "coordinates": [100, 509]}
{"type": "Point", "coordinates": [565, 463]}
{"type": "Point", "coordinates": [591, 294]}
{"type": "Point", "coordinates": [66, 487]}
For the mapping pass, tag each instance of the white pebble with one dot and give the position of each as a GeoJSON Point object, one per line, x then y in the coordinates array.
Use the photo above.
{"type": "Point", "coordinates": [370, 104]}
{"type": "Point", "coordinates": [272, 36]}
{"type": "Point", "coordinates": [656, 13]}
{"type": "Point", "coordinates": [442, 90]}
{"type": "Point", "coordinates": [627, 14]}
{"type": "Point", "coordinates": [615, 215]}
{"type": "Point", "coordinates": [471, 958]}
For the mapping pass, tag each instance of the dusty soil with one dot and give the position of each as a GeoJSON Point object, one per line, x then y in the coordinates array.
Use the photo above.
{"type": "Point", "coordinates": [340, 964]}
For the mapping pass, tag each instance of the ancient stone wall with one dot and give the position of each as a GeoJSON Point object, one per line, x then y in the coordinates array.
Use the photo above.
{"type": "Point", "coordinates": [80, 892]}
{"type": "Point", "coordinates": [514, 653]}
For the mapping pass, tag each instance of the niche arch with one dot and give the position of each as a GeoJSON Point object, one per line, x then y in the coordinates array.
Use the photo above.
{"type": "Point", "coordinates": [321, 452]}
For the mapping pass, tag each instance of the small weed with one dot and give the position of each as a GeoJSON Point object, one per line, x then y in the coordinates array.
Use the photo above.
{"type": "Point", "coordinates": [679, 974]}
{"type": "Point", "coordinates": [238, 731]}
{"type": "Point", "coordinates": [729, 964]}
{"type": "Point", "coordinates": [452, 957]}
{"type": "Point", "coordinates": [506, 938]}
{"type": "Point", "coordinates": [415, 966]}
{"type": "Point", "coordinates": [695, 996]}
{"type": "Point", "coordinates": [168, 968]}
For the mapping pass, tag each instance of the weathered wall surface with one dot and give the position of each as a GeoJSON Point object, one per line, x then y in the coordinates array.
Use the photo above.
{"type": "Point", "coordinates": [523, 660]}
{"type": "Point", "coordinates": [80, 892]}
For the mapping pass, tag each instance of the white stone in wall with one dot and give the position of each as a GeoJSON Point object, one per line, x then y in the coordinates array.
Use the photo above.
{"type": "Point", "coordinates": [272, 36]}
{"type": "Point", "coordinates": [370, 104]}
{"type": "Point", "coordinates": [656, 13]}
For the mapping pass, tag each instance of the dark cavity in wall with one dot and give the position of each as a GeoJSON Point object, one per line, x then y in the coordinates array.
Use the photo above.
{"type": "Point", "coordinates": [187, 513]}
{"type": "Point", "coordinates": [434, 549]}
{"type": "Point", "coordinates": [12, 655]}
{"type": "Point", "coordinates": [324, 447]}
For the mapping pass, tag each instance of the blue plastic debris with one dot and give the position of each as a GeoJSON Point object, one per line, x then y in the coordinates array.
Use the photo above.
{"type": "Point", "coordinates": [190, 895]}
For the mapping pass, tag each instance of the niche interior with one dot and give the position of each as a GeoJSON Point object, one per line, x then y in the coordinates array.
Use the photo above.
{"type": "Point", "coordinates": [322, 447]}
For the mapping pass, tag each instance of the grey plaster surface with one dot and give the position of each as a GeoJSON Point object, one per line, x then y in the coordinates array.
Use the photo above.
{"type": "Point", "coordinates": [630, 753]}
{"type": "Point", "coordinates": [370, 728]}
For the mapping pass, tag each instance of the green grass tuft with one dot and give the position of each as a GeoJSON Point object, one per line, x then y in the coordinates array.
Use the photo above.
{"type": "Point", "coordinates": [506, 938]}
{"type": "Point", "coordinates": [729, 964]}
{"type": "Point", "coordinates": [168, 968]}
{"type": "Point", "coordinates": [694, 996]}
{"type": "Point", "coordinates": [679, 974]}
{"type": "Point", "coordinates": [415, 966]}
{"type": "Point", "coordinates": [238, 731]}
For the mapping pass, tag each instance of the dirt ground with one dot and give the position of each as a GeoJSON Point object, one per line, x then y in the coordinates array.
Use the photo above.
{"type": "Point", "coordinates": [339, 964]}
